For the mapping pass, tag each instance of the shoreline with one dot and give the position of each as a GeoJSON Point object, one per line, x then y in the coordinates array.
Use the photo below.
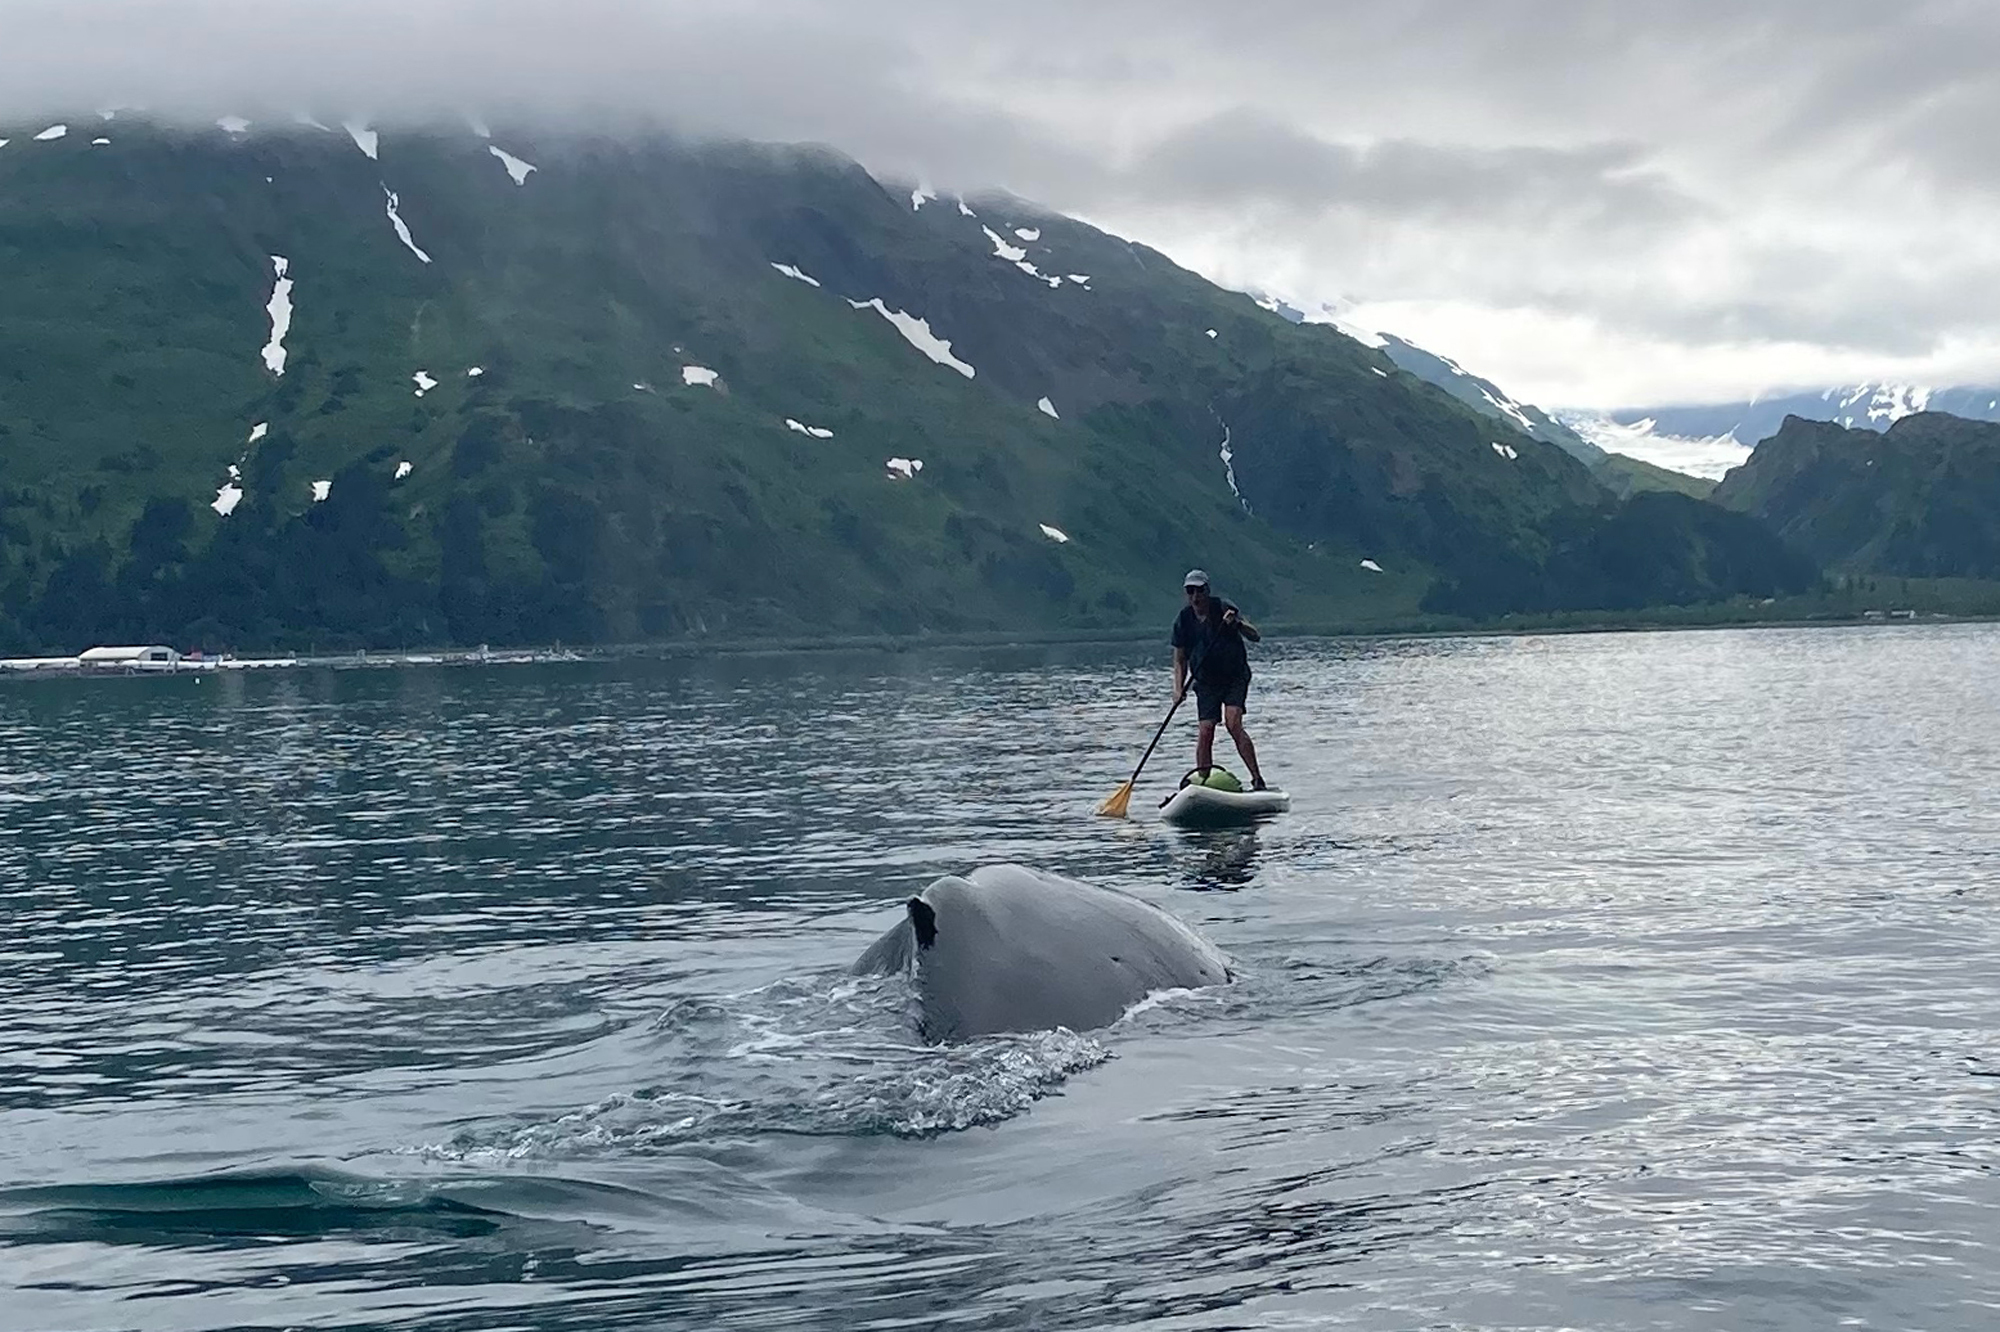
{"type": "Point", "coordinates": [985, 640]}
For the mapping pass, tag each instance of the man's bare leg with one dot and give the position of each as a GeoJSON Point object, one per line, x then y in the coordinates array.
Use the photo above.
{"type": "Point", "coordinates": [1232, 717]}
{"type": "Point", "coordinates": [1204, 747]}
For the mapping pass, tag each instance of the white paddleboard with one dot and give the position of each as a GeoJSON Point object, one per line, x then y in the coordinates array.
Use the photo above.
{"type": "Point", "coordinates": [1198, 806]}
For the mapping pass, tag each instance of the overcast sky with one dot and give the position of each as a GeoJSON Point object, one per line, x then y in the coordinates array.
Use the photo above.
{"type": "Point", "coordinates": [1593, 204]}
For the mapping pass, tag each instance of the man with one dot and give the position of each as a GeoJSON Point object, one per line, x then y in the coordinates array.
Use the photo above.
{"type": "Point", "coordinates": [1209, 652]}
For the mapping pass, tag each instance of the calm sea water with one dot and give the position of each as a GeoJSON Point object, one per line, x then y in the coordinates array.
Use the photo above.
{"type": "Point", "coordinates": [1644, 981]}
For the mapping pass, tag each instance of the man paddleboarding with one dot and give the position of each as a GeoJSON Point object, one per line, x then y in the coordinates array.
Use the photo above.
{"type": "Point", "coordinates": [1209, 652]}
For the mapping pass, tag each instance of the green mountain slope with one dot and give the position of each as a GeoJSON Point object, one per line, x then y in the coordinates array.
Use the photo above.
{"type": "Point", "coordinates": [1624, 475]}
{"type": "Point", "coordinates": [652, 389]}
{"type": "Point", "coordinates": [1921, 499]}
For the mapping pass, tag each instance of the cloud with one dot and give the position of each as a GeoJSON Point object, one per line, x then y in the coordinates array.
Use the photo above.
{"type": "Point", "coordinates": [1716, 189]}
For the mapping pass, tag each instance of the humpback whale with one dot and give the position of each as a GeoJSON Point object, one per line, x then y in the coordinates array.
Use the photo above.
{"type": "Point", "coordinates": [1007, 948]}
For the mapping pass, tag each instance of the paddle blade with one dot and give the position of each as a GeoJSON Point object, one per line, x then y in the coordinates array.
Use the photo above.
{"type": "Point", "coordinates": [1114, 805]}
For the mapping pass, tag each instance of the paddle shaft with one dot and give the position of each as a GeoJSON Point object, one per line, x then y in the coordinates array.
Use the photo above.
{"type": "Point", "coordinates": [1156, 740]}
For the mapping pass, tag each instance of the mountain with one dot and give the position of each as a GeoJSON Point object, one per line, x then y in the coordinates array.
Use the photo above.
{"type": "Point", "coordinates": [1482, 395]}
{"type": "Point", "coordinates": [265, 384]}
{"type": "Point", "coordinates": [1920, 499]}
{"type": "Point", "coordinates": [1624, 476]}
{"type": "Point", "coordinates": [1862, 406]}
{"type": "Point", "coordinates": [1486, 397]}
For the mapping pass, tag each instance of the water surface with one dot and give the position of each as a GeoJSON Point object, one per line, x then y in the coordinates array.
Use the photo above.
{"type": "Point", "coordinates": [1642, 981]}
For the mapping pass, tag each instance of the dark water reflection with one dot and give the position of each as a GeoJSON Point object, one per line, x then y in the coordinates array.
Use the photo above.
{"type": "Point", "coordinates": [1643, 981]}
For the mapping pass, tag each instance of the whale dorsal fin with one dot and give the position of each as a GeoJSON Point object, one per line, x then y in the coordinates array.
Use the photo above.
{"type": "Point", "coordinates": [923, 919]}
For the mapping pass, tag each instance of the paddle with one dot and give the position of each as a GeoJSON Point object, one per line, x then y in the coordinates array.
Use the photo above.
{"type": "Point", "coordinates": [1114, 806]}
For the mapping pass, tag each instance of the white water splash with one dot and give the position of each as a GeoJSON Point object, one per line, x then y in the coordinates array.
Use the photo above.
{"type": "Point", "coordinates": [1055, 534]}
{"type": "Point", "coordinates": [791, 272]}
{"type": "Point", "coordinates": [692, 375]}
{"type": "Point", "coordinates": [367, 140]}
{"type": "Point", "coordinates": [817, 432]}
{"type": "Point", "coordinates": [906, 468]}
{"type": "Point", "coordinates": [321, 489]}
{"type": "Point", "coordinates": [515, 166]}
{"type": "Point", "coordinates": [402, 229]}
{"type": "Point", "coordinates": [1048, 408]}
{"type": "Point", "coordinates": [280, 310]}
{"type": "Point", "coordinates": [403, 469]}
{"type": "Point", "coordinates": [226, 499]}
{"type": "Point", "coordinates": [917, 332]}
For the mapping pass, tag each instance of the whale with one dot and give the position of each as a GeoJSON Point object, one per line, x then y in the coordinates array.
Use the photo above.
{"type": "Point", "coordinates": [1007, 948]}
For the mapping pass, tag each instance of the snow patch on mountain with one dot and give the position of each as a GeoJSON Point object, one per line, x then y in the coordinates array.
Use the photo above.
{"type": "Point", "coordinates": [280, 309]}
{"type": "Point", "coordinates": [1507, 451]}
{"type": "Point", "coordinates": [964, 211]}
{"type": "Point", "coordinates": [258, 431]}
{"type": "Point", "coordinates": [367, 140]}
{"type": "Point", "coordinates": [479, 127]}
{"type": "Point", "coordinates": [906, 468]}
{"type": "Point", "coordinates": [1055, 534]}
{"type": "Point", "coordinates": [422, 379]}
{"type": "Point", "coordinates": [515, 166]}
{"type": "Point", "coordinates": [226, 499]}
{"type": "Point", "coordinates": [1028, 233]}
{"type": "Point", "coordinates": [1371, 566]}
{"type": "Point", "coordinates": [402, 228]}
{"type": "Point", "coordinates": [817, 432]}
{"type": "Point", "coordinates": [920, 196]}
{"type": "Point", "coordinates": [917, 332]}
{"type": "Point", "coordinates": [475, 372]}
{"type": "Point", "coordinates": [1048, 408]}
{"type": "Point", "coordinates": [233, 125]}
{"type": "Point", "coordinates": [797, 274]}
{"type": "Point", "coordinates": [693, 375]}
{"type": "Point", "coordinates": [100, 143]}
{"type": "Point", "coordinates": [52, 133]}
{"type": "Point", "coordinates": [1883, 404]}
{"type": "Point", "coordinates": [403, 469]}
{"type": "Point", "coordinates": [321, 489]}
{"type": "Point", "coordinates": [1013, 254]}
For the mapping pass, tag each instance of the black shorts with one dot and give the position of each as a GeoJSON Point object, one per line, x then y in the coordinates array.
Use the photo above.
{"type": "Point", "coordinates": [1210, 697]}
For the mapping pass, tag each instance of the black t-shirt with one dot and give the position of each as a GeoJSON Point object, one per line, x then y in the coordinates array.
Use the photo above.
{"type": "Point", "coordinates": [1215, 650]}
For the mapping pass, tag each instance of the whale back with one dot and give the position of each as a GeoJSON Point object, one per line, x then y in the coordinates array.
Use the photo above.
{"type": "Point", "coordinates": [1012, 949]}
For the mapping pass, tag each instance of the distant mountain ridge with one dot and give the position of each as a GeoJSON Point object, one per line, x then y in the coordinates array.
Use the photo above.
{"type": "Point", "coordinates": [1873, 406]}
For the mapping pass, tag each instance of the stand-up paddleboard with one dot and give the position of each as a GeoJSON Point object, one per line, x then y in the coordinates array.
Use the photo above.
{"type": "Point", "coordinates": [1195, 806]}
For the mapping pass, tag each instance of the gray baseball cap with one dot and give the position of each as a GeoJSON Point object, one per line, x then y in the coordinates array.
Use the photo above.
{"type": "Point", "coordinates": [1195, 578]}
